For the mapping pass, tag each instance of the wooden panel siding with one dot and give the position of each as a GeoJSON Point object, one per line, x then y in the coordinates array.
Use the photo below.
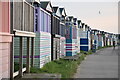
{"type": "Point", "coordinates": [85, 40]}
{"type": "Point", "coordinates": [62, 30]}
{"type": "Point", "coordinates": [42, 49]}
{"type": "Point", "coordinates": [62, 41]}
{"type": "Point", "coordinates": [55, 38]}
{"type": "Point", "coordinates": [0, 16]}
{"type": "Point", "coordinates": [5, 17]}
{"type": "Point", "coordinates": [17, 19]}
{"type": "Point", "coordinates": [42, 20]}
{"type": "Point", "coordinates": [74, 33]}
{"type": "Point", "coordinates": [45, 21]}
{"type": "Point", "coordinates": [43, 37]}
{"type": "Point", "coordinates": [62, 47]}
{"type": "Point", "coordinates": [17, 49]}
{"type": "Point", "coordinates": [20, 10]}
{"type": "Point", "coordinates": [71, 39]}
{"type": "Point", "coordinates": [5, 39]}
{"type": "Point", "coordinates": [100, 40]}
{"type": "Point", "coordinates": [32, 10]}
{"type": "Point", "coordinates": [23, 28]}
{"type": "Point", "coordinates": [26, 17]}
{"type": "Point", "coordinates": [55, 25]}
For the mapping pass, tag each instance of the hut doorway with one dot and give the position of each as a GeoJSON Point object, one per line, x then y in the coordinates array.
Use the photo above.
{"type": "Point", "coordinates": [56, 48]}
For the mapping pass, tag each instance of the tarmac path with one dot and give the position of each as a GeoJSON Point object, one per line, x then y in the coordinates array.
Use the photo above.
{"type": "Point", "coordinates": [102, 64]}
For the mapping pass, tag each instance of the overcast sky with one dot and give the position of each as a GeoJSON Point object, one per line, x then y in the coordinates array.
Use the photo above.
{"type": "Point", "coordinates": [88, 12]}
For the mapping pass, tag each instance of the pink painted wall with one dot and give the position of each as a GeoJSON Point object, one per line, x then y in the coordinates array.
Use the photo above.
{"type": "Point", "coordinates": [5, 39]}
{"type": "Point", "coordinates": [0, 17]}
{"type": "Point", "coordinates": [5, 16]}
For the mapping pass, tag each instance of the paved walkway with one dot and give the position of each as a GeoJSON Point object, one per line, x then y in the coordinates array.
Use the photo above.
{"type": "Point", "coordinates": [102, 64]}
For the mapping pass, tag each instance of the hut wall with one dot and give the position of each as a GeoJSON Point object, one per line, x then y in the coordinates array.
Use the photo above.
{"type": "Point", "coordinates": [102, 41]}
{"type": "Point", "coordinates": [56, 48]}
{"type": "Point", "coordinates": [27, 12]}
{"type": "Point", "coordinates": [17, 49]}
{"type": "Point", "coordinates": [71, 41]}
{"type": "Point", "coordinates": [78, 40]}
{"type": "Point", "coordinates": [55, 25]}
{"type": "Point", "coordinates": [99, 40]}
{"type": "Point", "coordinates": [62, 47]}
{"type": "Point", "coordinates": [23, 20]}
{"type": "Point", "coordinates": [55, 38]}
{"type": "Point", "coordinates": [62, 40]}
{"type": "Point", "coordinates": [45, 48]}
{"type": "Point", "coordinates": [96, 40]}
{"type": "Point", "coordinates": [89, 40]}
{"type": "Point", "coordinates": [84, 40]}
{"type": "Point", "coordinates": [42, 20]}
{"type": "Point", "coordinates": [62, 30]}
{"type": "Point", "coordinates": [5, 39]}
{"type": "Point", "coordinates": [37, 51]}
{"type": "Point", "coordinates": [74, 40]}
{"type": "Point", "coordinates": [43, 37]}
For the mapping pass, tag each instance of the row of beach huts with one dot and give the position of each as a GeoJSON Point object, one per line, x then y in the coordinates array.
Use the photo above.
{"type": "Point", "coordinates": [33, 33]}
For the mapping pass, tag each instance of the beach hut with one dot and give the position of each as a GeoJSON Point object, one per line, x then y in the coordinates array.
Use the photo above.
{"type": "Point", "coordinates": [71, 37]}
{"type": "Point", "coordinates": [118, 38]}
{"type": "Point", "coordinates": [22, 25]}
{"type": "Point", "coordinates": [95, 38]}
{"type": "Point", "coordinates": [115, 38]}
{"type": "Point", "coordinates": [76, 37]}
{"type": "Point", "coordinates": [62, 32]}
{"type": "Point", "coordinates": [56, 33]}
{"type": "Point", "coordinates": [43, 36]}
{"type": "Point", "coordinates": [5, 39]}
{"type": "Point", "coordinates": [106, 39]}
{"type": "Point", "coordinates": [55, 30]}
{"type": "Point", "coordinates": [103, 41]}
{"type": "Point", "coordinates": [85, 38]}
{"type": "Point", "coordinates": [109, 39]}
{"type": "Point", "coordinates": [91, 38]}
{"type": "Point", "coordinates": [100, 39]}
{"type": "Point", "coordinates": [78, 34]}
{"type": "Point", "coordinates": [110, 36]}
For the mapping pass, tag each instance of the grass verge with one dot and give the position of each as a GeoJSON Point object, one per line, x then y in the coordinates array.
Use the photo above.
{"type": "Point", "coordinates": [103, 47]}
{"type": "Point", "coordinates": [66, 68]}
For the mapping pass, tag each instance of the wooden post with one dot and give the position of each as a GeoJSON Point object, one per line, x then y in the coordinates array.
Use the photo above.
{"type": "Point", "coordinates": [28, 56]}
{"type": "Point", "coordinates": [12, 43]}
{"type": "Point", "coordinates": [21, 57]}
{"type": "Point", "coordinates": [12, 59]}
{"type": "Point", "coordinates": [21, 45]}
{"type": "Point", "coordinates": [32, 52]}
